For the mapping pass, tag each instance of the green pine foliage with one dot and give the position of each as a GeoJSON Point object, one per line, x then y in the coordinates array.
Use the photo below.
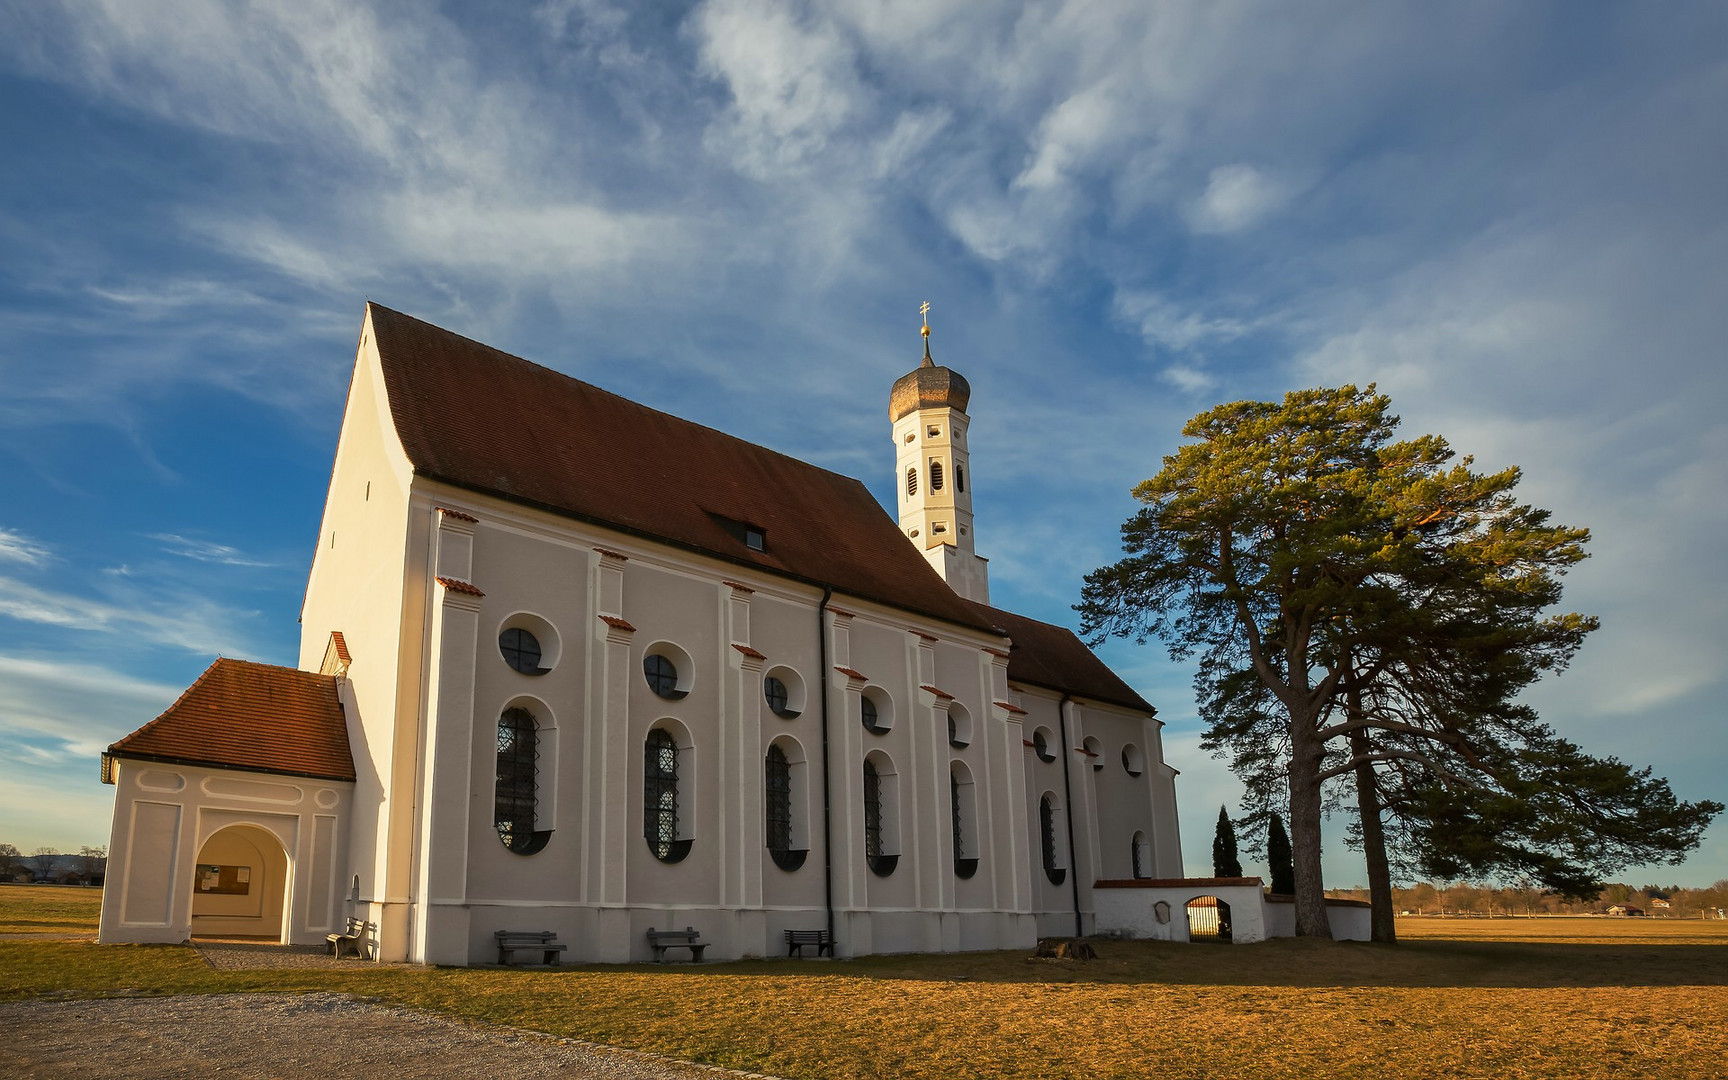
{"type": "Point", "coordinates": [1278, 857]}
{"type": "Point", "coordinates": [1359, 601]}
{"type": "Point", "coordinates": [1225, 860]}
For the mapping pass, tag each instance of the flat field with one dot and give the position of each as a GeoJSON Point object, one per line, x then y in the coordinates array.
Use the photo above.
{"type": "Point", "coordinates": [1517, 998]}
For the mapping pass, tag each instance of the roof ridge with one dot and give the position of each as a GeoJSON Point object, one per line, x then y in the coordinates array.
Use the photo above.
{"type": "Point", "coordinates": [622, 399]}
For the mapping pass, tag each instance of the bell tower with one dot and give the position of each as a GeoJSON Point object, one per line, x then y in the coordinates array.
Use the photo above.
{"type": "Point", "coordinates": [933, 471]}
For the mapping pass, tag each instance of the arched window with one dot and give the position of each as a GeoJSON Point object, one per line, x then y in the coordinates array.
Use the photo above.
{"type": "Point", "coordinates": [514, 795]}
{"type": "Point", "coordinates": [959, 477]}
{"type": "Point", "coordinates": [660, 797]}
{"type": "Point", "coordinates": [911, 482]}
{"type": "Point", "coordinates": [1142, 856]}
{"type": "Point", "coordinates": [935, 475]}
{"type": "Point", "coordinates": [962, 813]}
{"type": "Point", "coordinates": [872, 811]}
{"type": "Point", "coordinates": [777, 777]}
{"type": "Point", "coordinates": [879, 835]}
{"type": "Point", "coordinates": [1047, 837]}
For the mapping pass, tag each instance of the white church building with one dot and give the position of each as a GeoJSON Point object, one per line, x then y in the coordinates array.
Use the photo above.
{"type": "Point", "coordinates": [568, 663]}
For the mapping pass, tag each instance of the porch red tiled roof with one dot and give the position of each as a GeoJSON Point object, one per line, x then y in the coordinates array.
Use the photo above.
{"type": "Point", "coordinates": [257, 717]}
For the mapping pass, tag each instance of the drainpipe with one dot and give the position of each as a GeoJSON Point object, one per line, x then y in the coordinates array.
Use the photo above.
{"type": "Point", "coordinates": [827, 811]}
{"type": "Point", "coordinates": [1068, 796]}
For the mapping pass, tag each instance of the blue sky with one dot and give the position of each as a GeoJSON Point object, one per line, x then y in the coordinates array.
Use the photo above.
{"type": "Point", "coordinates": [1513, 217]}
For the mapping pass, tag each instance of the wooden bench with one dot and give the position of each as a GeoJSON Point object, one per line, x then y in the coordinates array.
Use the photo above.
{"type": "Point", "coordinates": [661, 940]}
{"type": "Point", "coordinates": [511, 942]}
{"type": "Point", "coordinates": [356, 939]}
{"type": "Point", "coordinates": [797, 939]}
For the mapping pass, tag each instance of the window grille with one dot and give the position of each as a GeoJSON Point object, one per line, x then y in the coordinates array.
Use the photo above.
{"type": "Point", "coordinates": [1047, 836]}
{"type": "Point", "coordinates": [1138, 845]}
{"type": "Point", "coordinates": [779, 779]}
{"type": "Point", "coordinates": [935, 475]}
{"type": "Point", "coordinates": [963, 866]}
{"type": "Point", "coordinates": [514, 791]}
{"type": "Point", "coordinates": [911, 482]}
{"type": "Point", "coordinates": [954, 813]}
{"type": "Point", "coordinates": [872, 811]}
{"type": "Point", "coordinates": [521, 650]}
{"type": "Point", "coordinates": [660, 797]}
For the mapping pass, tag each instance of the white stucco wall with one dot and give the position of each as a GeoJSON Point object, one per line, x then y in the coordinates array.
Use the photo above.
{"type": "Point", "coordinates": [168, 818]}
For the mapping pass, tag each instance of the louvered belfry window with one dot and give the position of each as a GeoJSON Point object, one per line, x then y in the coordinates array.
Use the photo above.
{"type": "Point", "coordinates": [911, 482]}
{"type": "Point", "coordinates": [778, 774]}
{"type": "Point", "coordinates": [935, 475]}
{"type": "Point", "coordinates": [514, 795]}
{"type": "Point", "coordinates": [660, 794]}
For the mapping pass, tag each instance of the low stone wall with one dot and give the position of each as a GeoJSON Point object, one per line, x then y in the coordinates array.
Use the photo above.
{"type": "Point", "coordinates": [1157, 910]}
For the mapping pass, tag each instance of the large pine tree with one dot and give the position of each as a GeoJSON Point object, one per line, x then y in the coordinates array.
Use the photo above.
{"type": "Point", "coordinates": [1368, 610]}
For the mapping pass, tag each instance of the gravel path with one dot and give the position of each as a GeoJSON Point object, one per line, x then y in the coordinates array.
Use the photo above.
{"type": "Point", "coordinates": [297, 1035]}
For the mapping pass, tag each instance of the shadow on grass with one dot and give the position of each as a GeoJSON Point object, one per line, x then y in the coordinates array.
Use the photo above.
{"type": "Point", "coordinates": [1285, 962]}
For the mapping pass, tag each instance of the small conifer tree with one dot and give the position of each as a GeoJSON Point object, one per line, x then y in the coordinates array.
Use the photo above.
{"type": "Point", "coordinates": [1278, 857]}
{"type": "Point", "coordinates": [1225, 861]}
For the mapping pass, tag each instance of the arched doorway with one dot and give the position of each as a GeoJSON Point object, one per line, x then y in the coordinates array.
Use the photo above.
{"type": "Point", "coordinates": [240, 885]}
{"type": "Point", "coordinates": [1208, 919]}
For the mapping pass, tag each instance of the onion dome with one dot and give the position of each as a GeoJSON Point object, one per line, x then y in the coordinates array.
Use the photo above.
{"type": "Point", "coordinates": [928, 387]}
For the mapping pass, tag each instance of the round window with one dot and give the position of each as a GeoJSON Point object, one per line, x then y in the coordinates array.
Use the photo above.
{"type": "Point", "coordinates": [521, 650]}
{"type": "Point", "coordinates": [779, 700]}
{"type": "Point", "coordinates": [662, 676]}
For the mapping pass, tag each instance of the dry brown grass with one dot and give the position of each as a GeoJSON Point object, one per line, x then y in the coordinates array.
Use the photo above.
{"type": "Point", "coordinates": [1541, 998]}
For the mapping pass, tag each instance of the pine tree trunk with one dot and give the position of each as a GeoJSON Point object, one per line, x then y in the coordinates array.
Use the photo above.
{"type": "Point", "coordinates": [1305, 757]}
{"type": "Point", "coordinates": [1380, 917]}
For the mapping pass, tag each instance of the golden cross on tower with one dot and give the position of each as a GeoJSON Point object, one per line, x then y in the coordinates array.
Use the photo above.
{"type": "Point", "coordinates": [924, 310]}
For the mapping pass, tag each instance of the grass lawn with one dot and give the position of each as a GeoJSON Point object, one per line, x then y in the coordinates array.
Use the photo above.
{"type": "Point", "coordinates": [1458, 998]}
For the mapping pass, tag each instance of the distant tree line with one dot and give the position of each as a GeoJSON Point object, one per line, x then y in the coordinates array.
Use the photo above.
{"type": "Point", "coordinates": [86, 866]}
{"type": "Point", "coordinates": [1463, 898]}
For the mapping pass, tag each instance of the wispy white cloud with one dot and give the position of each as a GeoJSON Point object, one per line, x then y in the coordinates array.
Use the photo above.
{"type": "Point", "coordinates": [190, 622]}
{"type": "Point", "coordinates": [203, 551]}
{"type": "Point", "coordinates": [18, 548]}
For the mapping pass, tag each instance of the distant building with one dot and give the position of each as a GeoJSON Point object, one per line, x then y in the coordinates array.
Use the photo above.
{"type": "Point", "coordinates": [569, 663]}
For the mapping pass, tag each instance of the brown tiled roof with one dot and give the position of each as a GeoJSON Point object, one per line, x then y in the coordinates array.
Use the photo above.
{"type": "Point", "coordinates": [1174, 883]}
{"type": "Point", "coordinates": [852, 673]}
{"type": "Point", "coordinates": [478, 418]}
{"type": "Point", "coordinates": [943, 694]}
{"type": "Point", "coordinates": [616, 623]}
{"type": "Point", "coordinates": [1054, 658]}
{"type": "Point", "coordinates": [457, 585]}
{"type": "Point", "coordinates": [258, 717]}
{"type": "Point", "coordinates": [751, 653]}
